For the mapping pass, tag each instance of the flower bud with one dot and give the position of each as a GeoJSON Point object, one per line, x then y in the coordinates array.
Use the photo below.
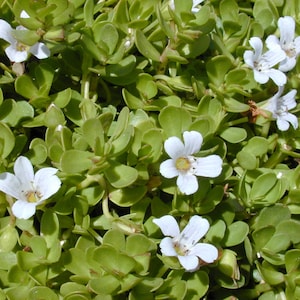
{"type": "Point", "coordinates": [228, 264]}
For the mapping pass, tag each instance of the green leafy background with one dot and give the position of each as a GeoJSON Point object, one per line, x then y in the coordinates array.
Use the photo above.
{"type": "Point", "coordinates": [123, 76]}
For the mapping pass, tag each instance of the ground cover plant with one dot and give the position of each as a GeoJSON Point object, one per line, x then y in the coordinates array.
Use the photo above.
{"type": "Point", "coordinates": [149, 149]}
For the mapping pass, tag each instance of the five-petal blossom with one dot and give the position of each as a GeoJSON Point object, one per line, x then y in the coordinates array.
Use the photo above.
{"type": "Point", "coordinates": [263, 63]}
{"type": "Point", "coordinates": [186, 166]}
{"type": "Point", "coordinates": [28, 188]}
{"type": "Point", "coordinates": [287, 43]}
{"type": "Point", "coordinates": [279, 106]}
{"type": "Point", "coordinates": [17, 51]}
{"type": "Point", "coordinates": [185, 245]}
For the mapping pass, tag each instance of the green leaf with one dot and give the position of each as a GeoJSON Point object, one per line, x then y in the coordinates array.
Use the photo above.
{"type": "Point", "coordinates": [7, 140]}
{"type": "Point", "coordinates": [50, 227]}
{"type": "Point", "coordinates": [145, 47]}
{"type": "Point", "coordinates": [236, 233]}
{"type": "Point", "coordinates": [25, 87]}
{"type": "Point", "coordinates": [120, 176]}
{"type": "Point", "coordinates": [113, 261]}
{"type": "Point", "coordinates": [247, 160]}
{"type": "Point", "coordinates": [234, 134]}
{"type": "Point", "coordinates": [262, 236]}
{"type": "Point", "coordinates": [128, 196]}
{"type": "Point", "coordinates": [197, 285]}
{"type": "Point", "coordinates": [42, 292]}
{"type": "Point", "coordinates": [174, 120]}
{"type": "Point", "coordinates": [75, 161]}
{"type": "Point", "coordinates": [104, 285]}
{"type": "Point", "coordinates": [217, 68]}
{"type": "Point", "coordinates": [106, 36]}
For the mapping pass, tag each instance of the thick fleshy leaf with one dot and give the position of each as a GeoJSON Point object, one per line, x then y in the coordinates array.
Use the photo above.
{"type": "Point", "coordinates": [168, 225]}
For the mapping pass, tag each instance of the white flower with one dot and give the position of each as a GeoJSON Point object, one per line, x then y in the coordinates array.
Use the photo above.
{"type": "Point", "coordinates": [194, 8]}
{"type": "Point", "coordinates": [17, 51]}
{"type": "Point", "coordinates": [279, 107]}
{"type": "Point", "coordinates": [262, 63]}
{"type": "Point", "coordinates": [287, 43]}
{"type": "Point", "coordinates": [28, 188]}
{"type": "Point", "coordinates": [184, 165]}
{"type": "Point", "coordinates": [185, 245]}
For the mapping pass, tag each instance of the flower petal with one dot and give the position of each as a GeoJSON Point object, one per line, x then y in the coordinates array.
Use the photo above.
{"type": "Point", "coordinates": [174, 147]}
{"type": "Point", "coordinates": [168, 225]}
{"type": "Point", "coordinates": [46, 182]}
{"type": "Point", "coordinates": [14, 55]}
{"type": "Point", "coordinates": [283, 121]}
{"type": "Point", "coordinates": [187, 183]}
{"type": "Point", "coordinates": [272, 42]}
{"type": "Point", "coordinates": [249, 58]}
{"type": "Point", "coordinates": [192, 142]}
{"type": "Point", "coordinates": [286, 26]}
{"type": "Point", "coordinates": [5, 32]}
{"type": "Point", "coordinates": [257, 45]}
{"type": "Point", "coordinates": [282, 124]}
{"type": "Point", "coordinates": [9, 184]}
{"type": "Point", "coordinates": [277, 76]}
{"type": "Point", "coordinates": [40, 50]}
{"type": "Point", "coordinates": [287, 64]}
{"type": "Point", "coordinates": [210, 166]}
{"type": "Point", "coordinates": [206, 252]}
{"type": "Point", "coordinates": [193, 231]}
{"type": "Point", "coordinates": [24, 170]}
{"type": "Point", "coordinates": [167, 247]}
{"type": "Point", "coordinates": [289, 99]}
{"type": "Point", "coordinates": [190, 262]}
{"type": "Point", "coordinates": [23, 209]}
{"type": "Point", "coordinates": [260, 77]}
{"type": "Point", "coordinates": [168, 169]}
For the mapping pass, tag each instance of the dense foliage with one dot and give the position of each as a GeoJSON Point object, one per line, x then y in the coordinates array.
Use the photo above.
{"type": "Point", "coordinates": [98, 95]}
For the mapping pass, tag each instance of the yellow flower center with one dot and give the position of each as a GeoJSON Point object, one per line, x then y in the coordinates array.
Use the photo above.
{"type": "Point", "coordinates": [33, 196]}
{"type": "Point", "coordinates": [181, 250]}
{"type": "Point", "coordinates": [21, 47]}
{"type": "Point", "coordinates": [183, 164]}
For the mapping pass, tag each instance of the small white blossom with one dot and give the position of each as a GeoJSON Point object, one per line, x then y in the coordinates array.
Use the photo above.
{"type": "Point", "coordinates": [17, 51]}
{"type": "Point", "coordinates": [263, 63]}
{"type": "Point", "coordinates": [185, 245]}
{"type": "Point", "coordinates": [186, 166]}
{"type": "Point", "coordinates": [28, 188]}
{"type": "Point", "coordinates": [287, 43]}
{"type": "Point", "coordinates": [194, 10]}
{"type": "Point", "coordinates": [24, 14]}
{"type": "Point", "coordinates": [280, 106]}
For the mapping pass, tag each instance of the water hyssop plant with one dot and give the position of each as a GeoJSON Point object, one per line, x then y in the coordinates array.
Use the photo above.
{"type": "Point", "coordinates": [149, 149]}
